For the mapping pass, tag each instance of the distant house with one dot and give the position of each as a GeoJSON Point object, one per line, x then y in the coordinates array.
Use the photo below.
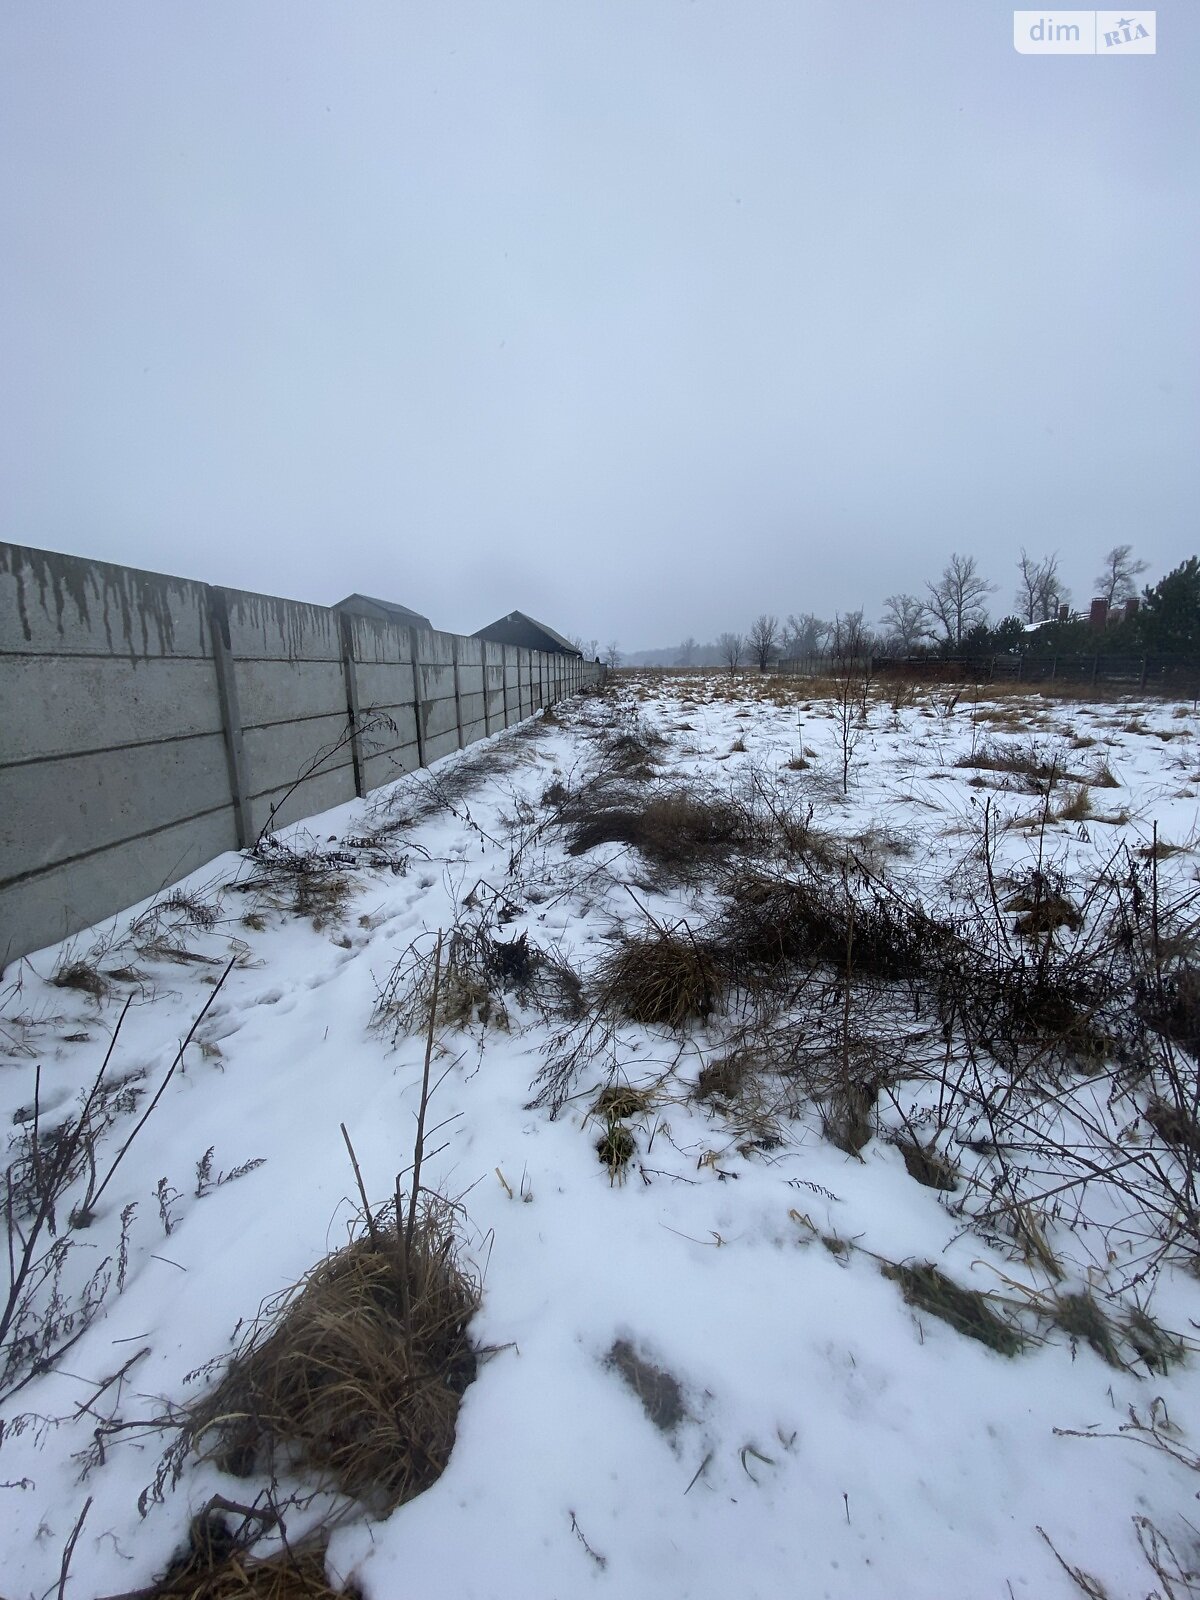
{"type": "Point", "coordinates": [516, 628]}
{"type": "Point", "coordinates": [365, 605]}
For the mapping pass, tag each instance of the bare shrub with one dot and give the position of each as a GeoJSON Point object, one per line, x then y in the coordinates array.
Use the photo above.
{"type": "Point", "coordinates": [44, 1313]}
{"type": "Point", "coordinates": [475, 972]}
{"type": "Point", "coordinates": [303, 882]}
{"type": "Point", "coordinates": [775, 921]}
{"type": "Point", "coordinates": [631, 754]}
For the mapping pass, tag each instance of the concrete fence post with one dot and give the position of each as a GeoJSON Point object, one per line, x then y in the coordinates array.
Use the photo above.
{"type": "Point", "coordinates": [231, 716]}
{"type": "Point", "coordinates": [504, 680]}
{"type": "Point", "coordinates": [353, 710]}
{"type": "Point", "coordinates": [418, 696]}
{"type": "Point", "coordinates": [457, 689]}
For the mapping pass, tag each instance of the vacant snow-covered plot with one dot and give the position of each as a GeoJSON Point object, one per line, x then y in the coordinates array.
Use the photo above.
{"type": "Point", "coordinates": [814, 1075]}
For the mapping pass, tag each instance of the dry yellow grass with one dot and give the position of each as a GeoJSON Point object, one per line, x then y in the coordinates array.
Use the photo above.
{"type": "Point", "coordinates": [356, 1373]}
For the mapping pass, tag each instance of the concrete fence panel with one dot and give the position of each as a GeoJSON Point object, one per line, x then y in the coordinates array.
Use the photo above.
{"type": "Point", "coordinates": [473, 720]}
{"type": "Point", "coordinates": [382, 658]}
{"type": "Point", "coordinates": [439, 709]}
{"type": "Point", "coordinates": [113, 771]}
{"type": "Point", "coordinates": [149, 723]}
{"type": "Point", "coordinates": [292, 701]}
{"type": "Point", "coordinates": [494, 695]}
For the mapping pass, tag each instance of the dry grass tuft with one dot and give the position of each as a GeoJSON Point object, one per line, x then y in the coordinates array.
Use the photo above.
{"type": "Point", "coordinates": [659, 1392]}
{"type": "Point", "coordinates": [1079, 1316]}
{"type": "Point", "coordinates": [83, 976]}
{"type": "Point", "coordinates": [217, 1566]}
{"type": "Point", "coordinates": [966, 1310]}
{"type": "Point", "coordinates": [722, 1079]}
{"type": "Point", "coordinates": [615, 1149]}
{"type": "Point", "coordinates": [848, 1113]}
{"type": "Point", "coordinates": [1174, 1125]}
{"type": "Point", "coordinates": [1103, 777]}
{"type": "Point", "coordinates": [1172, 1006]}
{"type": "Point", "coordinates": [1024, 762]}
{"type": "Point", "coordinates": [927, 1165]}
{"type": "Point", "coordinates": [322, 897]}
{"type": "Point", "coordinates": [674, 830]}
{"type": "Point", "coordinates": [1078, 805]}
{"type": "Point", "coordinates": [631, 753]}
{"type": "Point", "coordinates": [1160, 850]}
{"type": "Point", "coordinates": [619, 1101]}
{"type": "Point", "coordinates": [662, 978]}
{"type": "Point", "coordinates": [355, 1374]}
{"type": "Point", "coordinates": [1159, 1349]}
{"type": "Point", "coordinates": [1042, 908]}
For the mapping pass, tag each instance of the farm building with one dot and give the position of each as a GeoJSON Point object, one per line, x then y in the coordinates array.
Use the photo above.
{"type": "Point", "coordinates": [519, 629]}
{"type": "Point", "coordinates": [365, 605]}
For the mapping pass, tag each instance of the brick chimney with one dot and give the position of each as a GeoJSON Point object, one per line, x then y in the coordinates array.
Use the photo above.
{"type": "Point", "coordinates": [1098, 615]}
{"type": "Point", "coordinates": [1064, 613]}
{"type": "Point", "coordinates": [1131, 607]}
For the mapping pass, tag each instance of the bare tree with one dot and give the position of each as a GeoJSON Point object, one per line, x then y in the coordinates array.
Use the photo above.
{"type": "Point", "coordinates": [906, 620]}
{"type": "Point", "coordinates": [762, 639]}
{"type": "Point", "coordinates": [1027, 587]}
{"type": "Point", "coordinates": [805, 634]}
{"type": "Point", "coordinates": [612, 655]}
{"type": "Point", "coordinates": [957, 600]}
{"type": "Point", "coordinates": [731, 647]}
{"type": "Point", "coordinates": [1040, 590]}
{"type": "Point", "coordinates": [686, 653]}
{"type": "Point", "coordinates": [850, 669]}
{"type": "Point", "coordinates": [1116, 582]}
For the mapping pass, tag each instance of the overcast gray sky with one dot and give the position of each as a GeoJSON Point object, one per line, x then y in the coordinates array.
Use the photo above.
{"type": "Point", "coordinates": [640, 315]}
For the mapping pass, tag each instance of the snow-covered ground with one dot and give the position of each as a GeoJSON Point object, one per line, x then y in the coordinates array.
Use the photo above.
{"type": "Point", "coordinates": [837, 1441]}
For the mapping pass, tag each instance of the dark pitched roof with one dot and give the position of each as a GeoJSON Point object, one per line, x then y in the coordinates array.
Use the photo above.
{"type": "Point", "coordinates": [366, 605]}
{"type": "Point", "coordinates": [506, 628]}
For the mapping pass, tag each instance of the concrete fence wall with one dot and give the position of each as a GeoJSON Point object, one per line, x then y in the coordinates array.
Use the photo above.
{"type": "Point", "coordinates": [148, 723]}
